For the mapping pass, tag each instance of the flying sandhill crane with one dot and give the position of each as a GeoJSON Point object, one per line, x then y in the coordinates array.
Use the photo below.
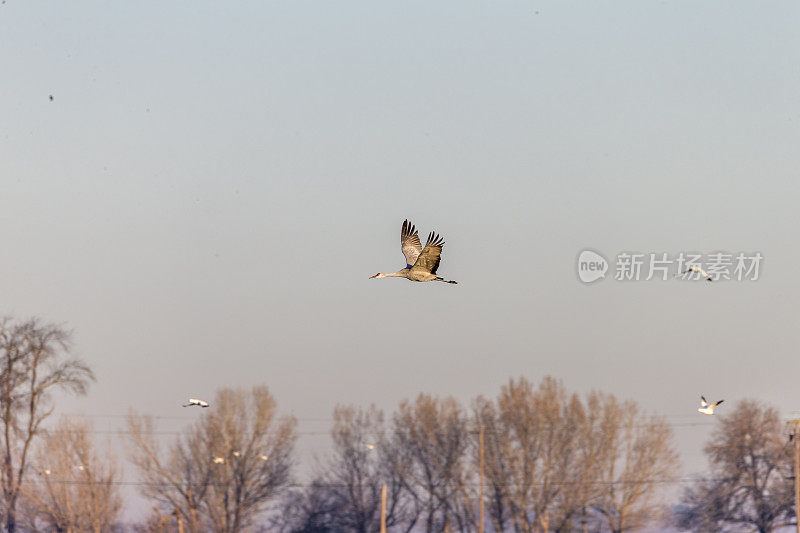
{"type": "Point", "coordinates": [195, 401]}
{"type": "Point", "coordinates": [421, 264]}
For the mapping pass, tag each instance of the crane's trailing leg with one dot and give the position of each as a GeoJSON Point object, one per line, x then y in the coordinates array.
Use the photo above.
{"type": "Point", "coordinates": [447, 281]}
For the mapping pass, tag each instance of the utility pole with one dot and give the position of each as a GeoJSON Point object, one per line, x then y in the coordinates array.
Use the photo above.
{"type": "Point", "coordinates": [796, 437]}
{"type": "Point", "coordinates": [383, 508]}
{"type": "Point", "coordinates": [480, 503]}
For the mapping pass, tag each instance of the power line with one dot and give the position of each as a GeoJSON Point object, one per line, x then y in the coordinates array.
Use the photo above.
{"type": "Point", "coordinates": [667, 481]}
{"type": "Point", "coordinates": [331, 419]}
{"type": "Point", "coordinates": [179, 432]}
{"type": "Point", "coordinates": [184, 432]}
{"type": "Point", "coordinates": [125, 432]}
{"type": "Point", "coordinates": [328, 432]}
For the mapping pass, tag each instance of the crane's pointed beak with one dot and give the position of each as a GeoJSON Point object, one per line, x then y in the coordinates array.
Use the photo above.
{"type": "Point", "coordinates": [375, 276]}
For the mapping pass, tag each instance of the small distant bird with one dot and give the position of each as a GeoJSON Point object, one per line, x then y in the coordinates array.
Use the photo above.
{"type": "Point", "coordinates": [218, 460]}
{"type": "Point", "coordinates": [697, 269]}
{"type": "Point", "coordinates": [47, 471]}
{"type": "Point", "coordinates": [421, 264]}
{"type": "Point", "coordinates": [264, 457]}
{"type": "Point", "coordinates": [51, 97]}
{"type": "Point", "coordinates": [236, 454]}
{"type": "Point", "coordinates": [81, 468]}
{"type": "Point", "coordinates": [195, 401]}
{"type": "Point", "coordinates": [370, 446]}
{"type": "Point", "coordinates": [707, 408]}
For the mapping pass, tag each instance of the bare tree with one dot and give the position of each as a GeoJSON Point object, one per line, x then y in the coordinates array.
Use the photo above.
{"type": "Point", "coordinates": [540, 455]}
{"type": "Point", "coordinates": [313, 510]}
{"type": "Point", "coordinates": [175, 479]}
{"type": "Point", "coordinates": [345, 494]}
{"type": "Point", "coordinates": [637, 452]}
{"type": "Point", "coordinates": [428, 449]}
{"type": "Point", "coordinates": [578, 466]}
{"type": "Point", "coordinates": [355, 474]}
{"type": "Point", "coordinates": [224, 470]}
{"type": "Point", "coordinates": [498, 464]}
{"type": "Point", "coordinates": [559, 419]}
{"type": "Point", "coordinates": [75, 489]}
{"type": "Point", "coordinates": [554, 461]}
{"type": "Point", "coordinates": [33, 363]}
{"type": "Point", "coordinates": [156, 522]}
{"type": "Point", "coordinates": [751, 465]}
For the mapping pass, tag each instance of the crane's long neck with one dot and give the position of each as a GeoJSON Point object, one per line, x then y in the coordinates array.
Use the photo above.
{"type": "Point", "coordinates": [398, 274]}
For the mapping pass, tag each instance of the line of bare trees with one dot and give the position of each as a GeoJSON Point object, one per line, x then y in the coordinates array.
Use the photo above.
{"type": "Point", "coordinates": [218, 476]}
{"type": "Point", "coordinates": [553, 461]}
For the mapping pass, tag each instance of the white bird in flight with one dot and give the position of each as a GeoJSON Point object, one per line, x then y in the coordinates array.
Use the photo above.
{"type": "Point", "coordinates": [218, 460]}
{"type": "Point", "coordinates": [698, 270]}
{"type": "Point", "coordinates": [195, 401]}
{"type": "Point", "coordinates": [421, 263]}
{"type": "Point", "coordinates": [707, 408]}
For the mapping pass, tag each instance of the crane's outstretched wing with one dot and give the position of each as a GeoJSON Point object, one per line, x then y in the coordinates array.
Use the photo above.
{"type": "Point", "coordinates": [409, 243]}
{"type": "Point", "coordinates": [430, 257]}
{"type": "Point", "coordinates": [717, 403]}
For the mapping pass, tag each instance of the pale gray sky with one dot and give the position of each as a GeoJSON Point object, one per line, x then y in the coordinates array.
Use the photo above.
{"type": "Point", "coordinates": [213, 183]}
